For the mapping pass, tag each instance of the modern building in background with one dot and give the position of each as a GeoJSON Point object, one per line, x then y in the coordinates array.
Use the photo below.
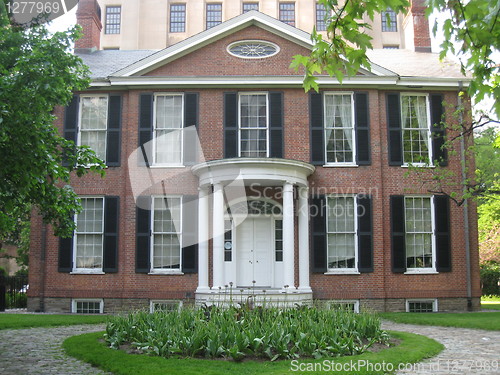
{"type": "Point", "coordinates": [226, 182]}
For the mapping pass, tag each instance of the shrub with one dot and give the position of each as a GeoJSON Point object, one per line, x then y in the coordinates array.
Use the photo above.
{"type": "Point", "coordinates": [490, 276]}
{"type": "Point", "coordinates": [236, 333]}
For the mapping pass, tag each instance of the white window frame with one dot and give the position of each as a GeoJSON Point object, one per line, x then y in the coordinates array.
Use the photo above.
{"type": "Point", "coordinates": [165, 271]}
{"type": "Point", "coordinates": [434, 301]}
{"type": "Point", "coordinates": [423, 270]}
{"type": "Point", "coordinates": [180, 129]}
{"type": "Point", "coordinates": [267, 119]}
{"type": "Point", "coordinates": [355, 302]}
{"type": "Point", "coordinates": [169, 302]}
{"type": "Point", "coordinates": [80, 113]}
{"type": "Point", "coordinates": [326, 128]}
{"type": "Point", "coordinates": [354, 270]}
{"type": "Point", "coordinates": [429, 133]}
{"type": "Point", "coordinates": [75, 240]}
{"type": "Point", "coordinates": [75, 301]}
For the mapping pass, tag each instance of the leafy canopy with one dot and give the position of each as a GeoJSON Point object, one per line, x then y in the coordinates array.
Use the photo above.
{"type": "Point", "coordinates": [37, 73]}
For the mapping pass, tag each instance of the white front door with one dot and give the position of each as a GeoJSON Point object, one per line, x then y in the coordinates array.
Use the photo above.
{"type": "Point", "coordinates": [253, 251]}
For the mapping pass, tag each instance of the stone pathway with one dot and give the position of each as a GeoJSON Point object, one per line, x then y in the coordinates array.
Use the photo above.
{"type": "Point", "coordinates": [38, 351]}
{"type": "Point", "coordinates": [467, 351]}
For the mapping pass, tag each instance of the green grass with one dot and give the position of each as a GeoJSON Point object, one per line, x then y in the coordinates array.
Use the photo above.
{"type": "Point", "coordinates": [480, 320]}
{"type": "Point", "coordinates": [15, 321]}
{"type": "Point", "coordinates": [490, 302]}
{"type": "Point", "coordinates": [91, 348]}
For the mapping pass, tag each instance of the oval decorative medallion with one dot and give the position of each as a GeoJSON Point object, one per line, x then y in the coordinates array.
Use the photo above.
{"type": "Point", "coordinates": [253, 49]}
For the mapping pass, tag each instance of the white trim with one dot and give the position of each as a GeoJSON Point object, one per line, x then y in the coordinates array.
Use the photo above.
{"type": "Point", "coordinates": [355, 302]}
{"type": "Point", "coordinates": [79, 123]}
{"type": "Point", "coordinates": [344, 271]}
{"type": "Point", "coordinates": [246, 41]}
{"type": "Point", "coordinates": [171, 302]}
{"type": "Point", "coordinates": [167, 165]}
{"type": "Point", "coordinates": [74, 302]}
{"type": "Point", "coordinates": [434, 301]}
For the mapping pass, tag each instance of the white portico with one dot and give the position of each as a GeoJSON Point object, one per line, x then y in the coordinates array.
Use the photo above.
{"type": "Point", "coordinates": [253, 237]}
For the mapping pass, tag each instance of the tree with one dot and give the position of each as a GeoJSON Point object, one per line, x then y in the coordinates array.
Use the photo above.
{"type": "Point", "coordinates": [37, 73]}
{"type": "Point", "coordinates": [472, 34]}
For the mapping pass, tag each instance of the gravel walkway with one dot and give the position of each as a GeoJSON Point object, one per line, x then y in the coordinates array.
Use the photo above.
{"type": "Point", "coordinates": [38, 351]}
{"type": "Point", "coordinates": [467, 351]}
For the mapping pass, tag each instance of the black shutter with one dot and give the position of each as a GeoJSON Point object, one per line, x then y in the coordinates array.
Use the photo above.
{"type": "Point", "coordinates": [276, 124]}
{"type": "Point", "coordinates": [65, 262]}
{"type": "Point", "coordinates": [442, 230]}
{"type": "Point", "coordinates": [398, 245]}
{"type": "Point", "coordinates": [190, 134]}
{"type": "Point", "coordinates": [71, 119]}
{"type": "Point", "coordinates": [145, 125]}
{"type": "Point", "coordinates": [317, 143]}
{"type": "Point", "coordinates": [439, 154]}
{"type": "Point", "coordinates": [111, 215]}
{"type": "Point", "coordinates": [362, 116]}
{"type": "Point", "coordinates": [113, 133]}
{"type": "Point", "coordinates": [365, 234]}
{"type": "Point", "coordinates": [318, 221]}
{"type": "Point", "coordinates": [143, 234]}
{"type": "Point", "coordinates": [190, 234]}
{"type": "Point", "coordinates": [230, 125]}
{"type": "Point", "coordinates": [394, 129]}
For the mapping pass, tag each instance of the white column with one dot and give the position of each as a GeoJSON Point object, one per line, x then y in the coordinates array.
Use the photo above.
{"type": "Point", "coordinates": [288, 237]}
{"type": "Point", "coordinates": [203, 220]}
{"type": "Point", "coordinates": [218, 237]}
{"type": "Point", "coordinates": [303, 209]}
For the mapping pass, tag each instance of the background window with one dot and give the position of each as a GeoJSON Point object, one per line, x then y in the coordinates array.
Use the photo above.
{"type": "Point", "coordinates": [168, 123]}
{"type": "Point", "coordinates": [389, 21]}
{"type": "Point", "coordinates": [418, 224]}
{"type": "Point", "coordinates": [94, 123]}
{"type": "Point", "coordinates": [253, 125]}
{"type": "Point", "coordinates": [287, 13]}
{"type": "Point", "coordinates": [113, 20]}
{"type": "Point", "coordinates": [89, 234]}
{"type": "Point", "coordinates": [320, 17]}
{"type": "Point", "coordinates": [214, 15]}
{"type": "Point", "coordinates": [341, 229]}
{"type": "Point", "coordinates": [339, 128]}
{"type": "Point", "coordinates": [166, 241]}
{"type": "Point", "coordinates": [247, 7]}
{"type": "Point", "coordinates": [177, 18]}
{"type": "Point", "coordinates": [415, 127]}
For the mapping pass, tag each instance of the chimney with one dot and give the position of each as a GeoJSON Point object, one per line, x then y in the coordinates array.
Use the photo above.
{"type": "Point", "coordinates": [421, 33]}
{"type": "Point", "coordinates": [88, 16]}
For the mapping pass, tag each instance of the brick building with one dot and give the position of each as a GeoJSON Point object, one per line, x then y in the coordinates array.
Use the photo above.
{"type": "Point", "coordinates": [226, 181]}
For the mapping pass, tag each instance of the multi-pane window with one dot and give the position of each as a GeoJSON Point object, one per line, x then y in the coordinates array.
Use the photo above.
{"type": "Point", "coordinates": [278, 240]}
{"type": "Point", "coordinates": [247, 7]}
{"type": "Point", "coordinates": [345, 305]}
{"type": "Point", "coordinates": [339, 127]}
{"type": "Point", "coordinates": [113, 20]}
{"type": "Point", "coordinates": [415, 124]}
{"type": "Point", "coordinates": [228, 241]}
{"type": "Point", "coordinates": [214, 15]}
{"type": "Point", "coordinates": [421, 306]}
{"type": "Point", "coordinates": [94, 123]}
{"type": "Point", "coordinates": [165, 306]}
{"type": "Point", "coordinates": [419, 233]}
{"type": "Point", "coordinates": [320, 17]}
{"type": "Point", "coordinates": [89, 235]}
{"type": "Point", "coordinates": [287, 13]}
{"type": "Point", "coordinates": [168, 124]}
{"type": "Point", "coordinates": [177, 18]}
{"type": "Point", "coordinates": [166, 234]}
{"type": "Point", "coordinates": [84, 306]}
{"type": "Point", "coordinates": [253, 115]}
{"type": "Point", "coordinates": [389, 20]}
{"type": "Point", "coordinates": [341, 232]}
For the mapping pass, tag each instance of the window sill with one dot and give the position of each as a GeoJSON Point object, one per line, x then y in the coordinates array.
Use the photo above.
{"type": "Point", "coordinates": [87, 272]}
{"type": "Point", "coordinates": [418, 165]}
{"type": "Point", "coordinates": [340, 165]}
{"type": "Point", "coordinates": [165, 166]}
{"type": "Point", "coordinates": [166, 273]}
{"type": "Point", "coordinates": [343, 272]}
{"type": "Point", "coordinates": [421, 272]}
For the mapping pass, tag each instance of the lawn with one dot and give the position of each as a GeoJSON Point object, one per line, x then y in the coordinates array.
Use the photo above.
{"type": "Point", "coordinates": [91, 348]}
{"type": "Point", "coordinates": [15, 321]}
{"type": "Point", "coordinates": [480, 320]}
{"type": "Point", "coordinates": [490, 302]}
